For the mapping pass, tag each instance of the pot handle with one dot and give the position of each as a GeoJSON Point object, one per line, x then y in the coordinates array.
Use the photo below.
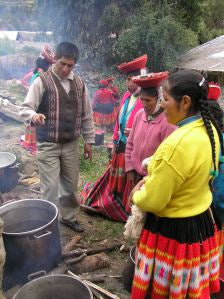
{"type": "Point", "coordinates": [15, 166]}
{"type": "Point", "coordinates": [43, 235]}
{"type": "Point", "coordinates": [36, 275]}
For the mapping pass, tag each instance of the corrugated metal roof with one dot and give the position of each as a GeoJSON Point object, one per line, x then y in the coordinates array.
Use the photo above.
{"type": "Point", "coordinates": [207, 57]}
{"type": "Point", "coordinates": [12, 35]}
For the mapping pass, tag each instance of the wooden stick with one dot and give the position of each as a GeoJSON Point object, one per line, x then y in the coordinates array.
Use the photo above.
{"type": "Point", "coordinates": [75, 260]}
{"type": "Point", "coordinates": [91, 251]}
{"type": "Point", "coordinates": [96, 287]}
{"type": "Point", "coordinates": [34, 191]}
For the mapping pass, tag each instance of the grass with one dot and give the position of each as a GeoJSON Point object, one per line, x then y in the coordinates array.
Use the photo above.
{"type": "Point", "coordinates": [91, 170]}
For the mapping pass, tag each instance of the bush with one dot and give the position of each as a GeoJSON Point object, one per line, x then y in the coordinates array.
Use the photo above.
{"type": "Point", "coordinates": [163, 39]}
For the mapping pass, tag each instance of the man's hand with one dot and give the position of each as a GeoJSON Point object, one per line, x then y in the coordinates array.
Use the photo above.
{"type": "Point", "coordinates": [88, 151]}
{"type": "Point", "coordinates": [38, 119]}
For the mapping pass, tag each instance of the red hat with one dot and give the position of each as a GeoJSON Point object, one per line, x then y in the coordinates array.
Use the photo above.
{"type": "Point", "coordinates": [134, 65]}
{"type": "Point", "coordinates": [103, 82]}
{"type": "Point", "coordinates": [48, 54]}
{"type": "Point", "coordinates": [214, 91]}
{"type": "Point", "coordinates": [150, 80]}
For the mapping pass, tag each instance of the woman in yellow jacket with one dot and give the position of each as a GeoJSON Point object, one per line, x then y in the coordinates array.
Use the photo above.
{"type": "Point", "coordinates": [179, 251]}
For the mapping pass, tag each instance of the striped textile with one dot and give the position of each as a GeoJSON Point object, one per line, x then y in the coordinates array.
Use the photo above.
{"type": "Point", "coordinates": [99, 197]}
{"type": "Point", "coordinates": [117, 178]}
{"type": "Point", "coordinates": [166, 268]}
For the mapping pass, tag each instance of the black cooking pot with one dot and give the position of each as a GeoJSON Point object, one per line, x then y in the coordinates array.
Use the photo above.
{"type": "Point", "coordinates": [54, 287]}
{"type": "Point", "coordinates": [31, 239]}
{"type": "Point", "coordinates": [8, 171]}
{"type": "Point", "coordinates": [129, 270]}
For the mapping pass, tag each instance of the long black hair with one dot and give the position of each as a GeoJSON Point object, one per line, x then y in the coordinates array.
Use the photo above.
{"type": "Point", "coordinates": [41, 63]}
{"type": "Point", "coordinates": [217, 112]}
{"type": "Point", "coordinates": [194, 85]}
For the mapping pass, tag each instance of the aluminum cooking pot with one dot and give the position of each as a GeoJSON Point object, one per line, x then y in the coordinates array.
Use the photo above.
{"type": "Point", "coordinates": [31, 239]}
{"type": "Point", "coordinates": [8, 171]}
{"type": "Point", "coordinates": [6, 159]}
{"type": "Point", "coordinates": [55, 287]}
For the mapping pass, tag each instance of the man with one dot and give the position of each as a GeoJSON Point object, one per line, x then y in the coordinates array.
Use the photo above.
{"type": "Point", "coordinates": [57, 104]}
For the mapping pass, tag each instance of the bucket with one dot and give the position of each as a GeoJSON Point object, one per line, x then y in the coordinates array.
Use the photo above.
{"type": "Point", "coordinates": [31, 239]}
{"type": "Point", "coordinates": [54, 287]}
{"type": "Point", "coordinates": [129, 270]}
{"type": "Point", "coordinates": [99, 137]}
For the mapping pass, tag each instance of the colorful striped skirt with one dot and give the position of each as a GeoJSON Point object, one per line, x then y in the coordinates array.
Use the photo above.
{"type": "Point", "coordinates": [105, 114]}
{"type": "Point", "coordinates": [178, 258]}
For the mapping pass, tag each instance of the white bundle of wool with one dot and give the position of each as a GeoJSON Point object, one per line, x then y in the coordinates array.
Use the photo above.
{"type": "Point", "coordinates": [134, 224]}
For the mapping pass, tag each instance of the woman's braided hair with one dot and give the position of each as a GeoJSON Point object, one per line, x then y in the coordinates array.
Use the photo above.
{"type": "Point", "coordinates": [193, 84]}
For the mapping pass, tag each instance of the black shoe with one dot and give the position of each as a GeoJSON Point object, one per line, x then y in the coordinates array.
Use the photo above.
{"type": "Point", "coordinates": [76, 226]}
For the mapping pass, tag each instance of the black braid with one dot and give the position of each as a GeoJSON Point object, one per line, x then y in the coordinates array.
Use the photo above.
{"type": "Point", "coordinates": [206, 116]}
{"type": "Point", "coordinates": [219, 131]}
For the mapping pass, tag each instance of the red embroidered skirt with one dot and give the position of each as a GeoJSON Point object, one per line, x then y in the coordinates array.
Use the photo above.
{"type": "Point", "coordinates": [102, 119]}
{"type": "Point", "coordinates": [178, 258]}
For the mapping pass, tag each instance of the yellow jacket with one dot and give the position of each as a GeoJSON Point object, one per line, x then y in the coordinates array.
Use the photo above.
{"type": "Point", "coordinates": [177, 184]}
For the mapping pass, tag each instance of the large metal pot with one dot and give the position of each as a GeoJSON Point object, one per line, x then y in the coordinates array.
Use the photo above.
{"type": "Point", "coordinates": [55, 287]}
{"type": "Point", "coordinates": [8, 171]}
{"type": "Point", "coordinates": [31, 239]}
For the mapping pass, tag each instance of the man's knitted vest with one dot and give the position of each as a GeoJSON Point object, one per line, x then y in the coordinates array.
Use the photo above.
{"type": "Point", "coordinates": [63, 111]}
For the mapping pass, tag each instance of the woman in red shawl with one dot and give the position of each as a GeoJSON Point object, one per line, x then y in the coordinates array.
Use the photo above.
{"type": "Point", "coordinates": [104, 113]}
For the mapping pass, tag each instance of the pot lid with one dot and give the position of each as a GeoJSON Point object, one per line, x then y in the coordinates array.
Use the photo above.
{"type": "Point", "coordinates": [6, 159]}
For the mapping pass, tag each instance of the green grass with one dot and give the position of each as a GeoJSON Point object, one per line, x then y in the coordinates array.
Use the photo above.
{"type": "Point", "coordinates": [91, 170]}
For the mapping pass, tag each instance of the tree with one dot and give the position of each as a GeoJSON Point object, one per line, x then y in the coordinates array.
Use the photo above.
{"type": "Point", "coordinates": [159, 35]}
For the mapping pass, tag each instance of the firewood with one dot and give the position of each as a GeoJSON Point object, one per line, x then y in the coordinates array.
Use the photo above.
{"type": "Point", "coordinates": [91, 263]}
{"type": "Point", "coordinates": [75, 260]}
{"type": "Point", "coordinates": [91, 251]}
{"type": "Point", "coordinates": [71, 244]}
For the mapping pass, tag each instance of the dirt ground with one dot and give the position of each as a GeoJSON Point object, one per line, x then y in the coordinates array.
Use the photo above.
{"type": "Point", "coordinates": [98, 230]}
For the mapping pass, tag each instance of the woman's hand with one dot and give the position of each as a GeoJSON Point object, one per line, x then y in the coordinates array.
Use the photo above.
{"type": "Point", "coordinates": [136, 188]}
{"type": "Point", "coordinates": [131, 177]}
{"type": "Point", "coordinates": [127, 131]}
{"type": "Point", "coordinates": [113, 150]}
